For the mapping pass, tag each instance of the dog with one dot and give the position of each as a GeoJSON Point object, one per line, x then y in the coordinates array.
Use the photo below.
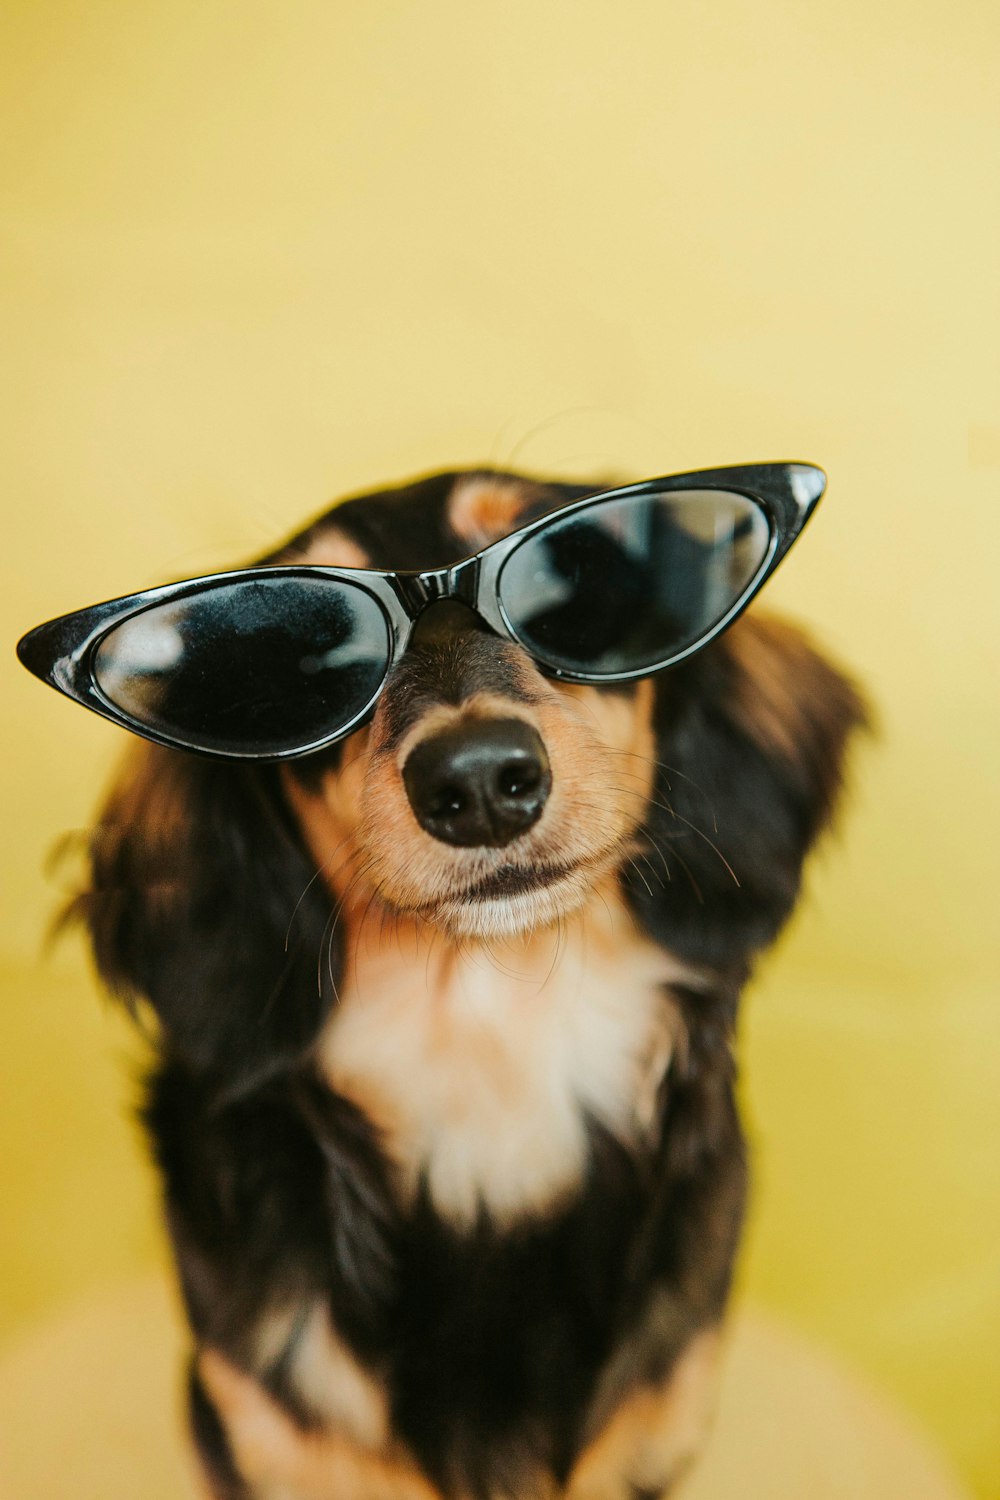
{"type": "Point", "coordinates": [451, 1160]}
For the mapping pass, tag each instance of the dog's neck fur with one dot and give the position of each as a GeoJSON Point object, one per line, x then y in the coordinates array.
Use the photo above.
{"type": "Point", "coordinates": [481, 1065]}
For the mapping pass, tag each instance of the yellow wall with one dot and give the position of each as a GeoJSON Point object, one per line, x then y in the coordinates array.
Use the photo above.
{"type": "Point", "coordinates": [258, 253]}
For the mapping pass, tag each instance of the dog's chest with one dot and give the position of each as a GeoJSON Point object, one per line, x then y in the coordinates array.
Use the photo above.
{"type": "Point", "coordinates": [481, 1070]}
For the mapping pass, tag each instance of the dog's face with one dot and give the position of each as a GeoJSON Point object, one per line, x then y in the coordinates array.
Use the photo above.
{"type": "Point", "coordinates": [483, 800]}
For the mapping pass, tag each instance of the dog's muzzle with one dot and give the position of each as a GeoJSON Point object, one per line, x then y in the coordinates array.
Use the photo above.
{"type": "Point", "coordinates": [480, 784]}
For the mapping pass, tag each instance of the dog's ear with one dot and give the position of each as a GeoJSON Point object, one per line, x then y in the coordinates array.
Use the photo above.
{"type": "Point", "coordinates": [751, 736]}
{"type": "Point", "coordinates": [203, 902]}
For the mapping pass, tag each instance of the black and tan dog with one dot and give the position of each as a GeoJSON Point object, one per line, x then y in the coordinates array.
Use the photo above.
{"type": "Point", "coordinates": [444, 1099]}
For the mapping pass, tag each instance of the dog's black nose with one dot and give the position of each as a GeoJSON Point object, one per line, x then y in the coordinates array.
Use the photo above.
{"type": "Point", "coordinates": [481, 783]}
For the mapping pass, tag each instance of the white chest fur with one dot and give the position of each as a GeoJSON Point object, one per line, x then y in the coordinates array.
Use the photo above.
{"type": "Point", "coordinates": [481, 1067]}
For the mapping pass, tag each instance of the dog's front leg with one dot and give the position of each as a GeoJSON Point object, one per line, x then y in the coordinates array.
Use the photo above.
{"type": "Point", "coordinates": [281, 1461]}
{"type": "Point", "coordinates": [647, 1445]}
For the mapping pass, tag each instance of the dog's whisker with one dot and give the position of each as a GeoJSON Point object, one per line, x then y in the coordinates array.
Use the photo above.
{"type": "Point", "coordinates": [556, 954]}
{"type": "Point", "coordinates": [321, 870]}
{"type": "Point", "coordinates": [327, 928]}
{"type": "Point", "coordinates": [634, 865]}
{"type": "Point", "coordinates": [654, 845]}
{"type": "Point", "coordinates": [381, 926]}
{"type": "Point", "coordinates": [329, 931]}
{"type": "Point", "coordinates": [654, 873]}
{"type": "Point", "coordinates": [667, 768]}
{"type": "Point", "coordinates": [690, 875]}
{"type": "Point", "coordinates": [699, 833]}
{"type": "Point", "coordinates": [372, 898]}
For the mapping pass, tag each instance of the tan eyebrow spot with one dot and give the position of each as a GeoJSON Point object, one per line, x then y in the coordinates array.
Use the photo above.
{"type": "Point", "coordinates": [482, 508]}
{"type": "Point", "coordinates": [329, 548]}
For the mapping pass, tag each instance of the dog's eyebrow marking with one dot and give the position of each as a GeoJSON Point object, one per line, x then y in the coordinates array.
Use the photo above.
{"type": "Point", "coordinates": [327, 547]}
{"type": "Point", "coordinates": [483, 507]}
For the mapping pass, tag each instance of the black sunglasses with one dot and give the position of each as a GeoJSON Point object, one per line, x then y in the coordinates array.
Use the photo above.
{"type": "Point", "coordinates": [268, 663]}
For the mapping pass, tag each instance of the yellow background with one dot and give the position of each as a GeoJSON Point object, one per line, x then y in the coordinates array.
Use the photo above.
{"type": "Point", "coordinates": [255, 254]}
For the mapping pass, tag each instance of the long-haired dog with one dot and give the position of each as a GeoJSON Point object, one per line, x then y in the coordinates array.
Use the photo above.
{"type": "Point", "coordinates": [444, 1093]}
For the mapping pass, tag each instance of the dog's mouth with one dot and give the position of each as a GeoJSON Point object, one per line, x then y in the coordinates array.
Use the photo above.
{"type": "Point", "coordinates": [517, 880]}
{"type": "Point", "coordinates": [515, 899]}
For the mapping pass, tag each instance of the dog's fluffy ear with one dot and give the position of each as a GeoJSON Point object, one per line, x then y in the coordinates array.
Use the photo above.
{"type": "Point", "coordinates": [751, 735]}
{"type": "Point", "coordinates": [203, 903]}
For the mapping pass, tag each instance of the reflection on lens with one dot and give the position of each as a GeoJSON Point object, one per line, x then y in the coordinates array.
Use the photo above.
{"type": "Point", "coordinates": [265, 665]}
{"type": "Point", "coordinates": [627, 584]}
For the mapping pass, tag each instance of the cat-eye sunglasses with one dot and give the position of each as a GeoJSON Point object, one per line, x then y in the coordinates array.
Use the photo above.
{"type": "Point", "coordinates": [272, 662]}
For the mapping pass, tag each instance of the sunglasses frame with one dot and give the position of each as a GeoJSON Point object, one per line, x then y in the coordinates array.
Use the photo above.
{"type": "Point", "coordinates": [62, 651]}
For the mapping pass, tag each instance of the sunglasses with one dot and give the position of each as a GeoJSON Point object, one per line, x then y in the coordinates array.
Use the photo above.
{"type": "Point", "coordinates": [268, 663]}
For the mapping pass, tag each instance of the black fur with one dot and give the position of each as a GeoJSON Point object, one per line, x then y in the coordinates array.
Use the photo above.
{"type": "Point", "coordinates": [493, 1346]}
{"type": "Point", "coordinates": [732, 819]}
{"type": "Point", "coordinates": [494, 1342]}
{"type": "Point", "coordinates": [188, 908]}
{"type": "Point", "coordinates": [212, 1444]}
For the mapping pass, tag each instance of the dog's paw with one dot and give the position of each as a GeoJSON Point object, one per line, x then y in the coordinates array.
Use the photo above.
{"type": "Point", "coordinates": [655, 1434]}
{"type": "Point", "coordinates": [278, 1457]}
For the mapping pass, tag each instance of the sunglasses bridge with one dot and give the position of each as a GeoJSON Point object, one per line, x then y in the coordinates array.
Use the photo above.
{"type": "Point", "coordinates": [417, 591]}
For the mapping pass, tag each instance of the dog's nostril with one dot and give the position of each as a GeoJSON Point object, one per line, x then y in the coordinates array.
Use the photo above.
{"type": "Point", "coordinates": [482, 783]}
{"type": "Point", "coordinates": [448, 800]}
{"type": "Point", "coordinates": [514, 780]}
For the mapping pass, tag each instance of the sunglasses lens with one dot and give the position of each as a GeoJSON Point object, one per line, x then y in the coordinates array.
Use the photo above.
{"type": "Point", "coordinates": [628, 584]}
{"type": "Point", "coordinates": [264, 666]}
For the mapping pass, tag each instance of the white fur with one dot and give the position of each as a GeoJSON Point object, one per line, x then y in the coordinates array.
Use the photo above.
{"type": "Point", "coordinates": [480, 1067]}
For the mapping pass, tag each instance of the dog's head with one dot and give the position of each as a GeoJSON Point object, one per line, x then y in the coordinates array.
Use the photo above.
{"type": "Point", "coordinates": [483, 800]}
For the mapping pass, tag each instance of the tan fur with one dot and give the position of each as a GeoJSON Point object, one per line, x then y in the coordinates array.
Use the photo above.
{"type": "Point", "coordinates": [655, 1433]}
{"type": "Point", "coordinates": [324, 1374]}
{"type": "Point", "coordinates": [328, 548]}
{"type": "Point", "coordinates": [482, 508]}
{"type": "Point", "coordinates": [479, 1065]}
{"type": "Point", "coordinates": [330, 819]}
{"type": "Point", "coordinates": [283, 1462]}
